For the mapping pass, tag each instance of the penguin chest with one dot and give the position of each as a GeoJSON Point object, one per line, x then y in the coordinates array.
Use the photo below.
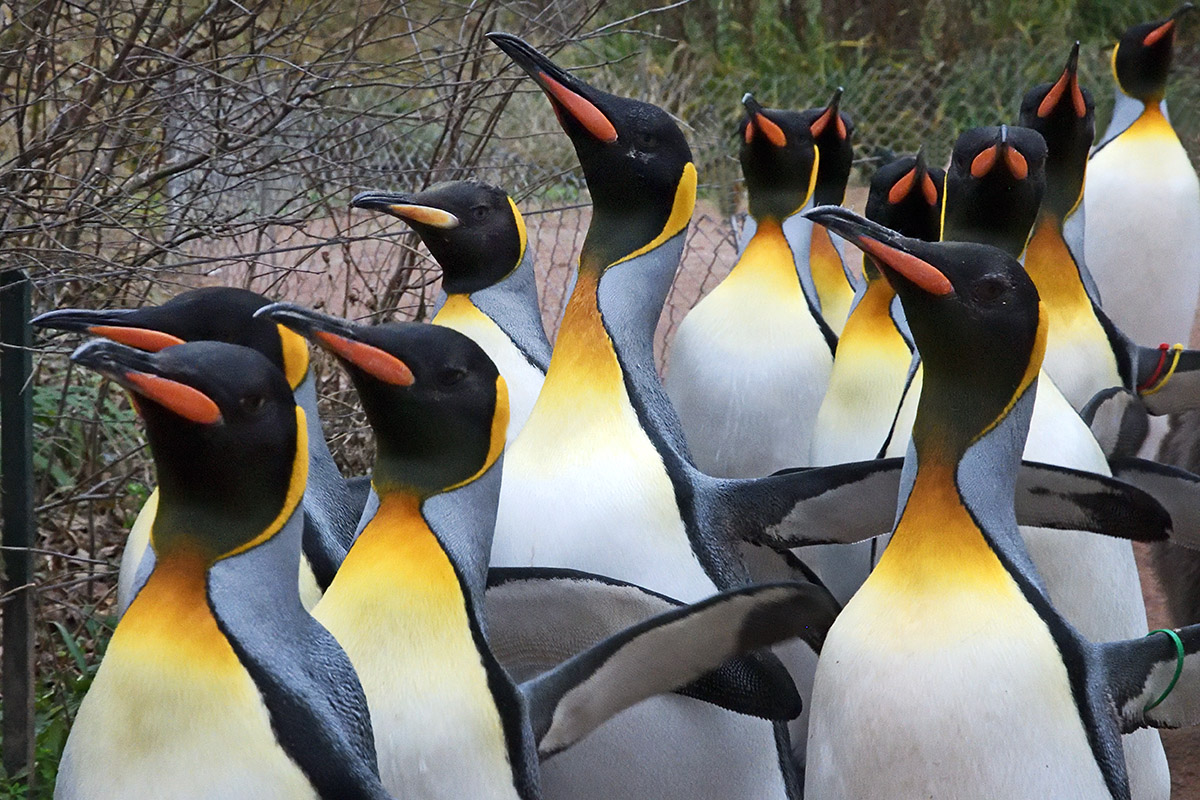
{"type": "Point", "coordinates": [523, 379]}
{"type": "Point", "coordinates": [588, 490]}
{"type": "Point", "coordinates": [1079, 356]}
{"type": "Point", "coordinates": [398, 610]}
{"type": "Point", "coordinates": [749, 366]}
{"type": "Point", "coordinates": [865, 388]}
{"type": "Point", "coordinates": [1142, 235]}
{"type": "Point", "coordinates": [172, 712]}
{"type": "Point", "coordinates": [939, 680]}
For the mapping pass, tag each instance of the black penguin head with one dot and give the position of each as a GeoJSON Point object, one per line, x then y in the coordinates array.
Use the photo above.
{"type": "Point", "coordinates": [975, 318]}
{"type": "Point", "coordinates": [473, 230]}
{"type": "Point", "coordinates": [637, 164]}
{"type": "Point", "coordinates": [214, 314]}
{"type": "Point", "coordinates": [994, 187]}
{"type": "Point", "coordinates": [778, 157]}
{"type": "Point", "coordinates": [906, 196]}
{"type": "Point", "coordinates": [833, 131]}
{"type": "Point", "coordinates": [1064, 114]}
{"type": "Point", "coordinates": [226, 436]}
{"type": "Point", "coordinates": [1141, 61]}
{"type": "Point", "coordinates": [436, 402]}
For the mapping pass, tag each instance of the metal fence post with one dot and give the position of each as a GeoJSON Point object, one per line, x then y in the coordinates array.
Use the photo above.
{"type": "Point", "coordinates": [16, 516]}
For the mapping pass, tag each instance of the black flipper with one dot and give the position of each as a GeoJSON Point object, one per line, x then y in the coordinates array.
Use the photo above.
{"type": "Point", "coordinates": [1118, 420]}
{"type": "Point", "coordinates": [539, 617]}
{"type": "Point", "coordinates": [669, 650]}
{"type": "Point", "coordinates": [1176, 489]}
{"type": "Point", "coordinates": [851, 502]}
{"type": "Point", "coordinates": [1140, 671]}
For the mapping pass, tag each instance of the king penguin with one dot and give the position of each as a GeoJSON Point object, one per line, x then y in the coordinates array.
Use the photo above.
{"type": "Point", "coordinates": [604, 434]}
{"type": "Point", "coordinates": [407, 603]}
{"type": "Point", "coordinates": [833, 278]}
{"type": "Point", "coordinates": [873, 360]}
{"type": "Point", "coordinates": [994, 190]}
{"type": "Point", "coordinates": [950, 673]}
{"type": "Point", "coordinates": [477, 235]}
{"type": "Point", "coordinates": [1087, 353]}
{"type": "Point", "coordinates": [217, 682]}
{"type": "Point", "coordinates": [1142, 199]}
{"type": "Point", "coordinates": [226, 314]}
{"type": "Point", "coordinates": [750, 362]}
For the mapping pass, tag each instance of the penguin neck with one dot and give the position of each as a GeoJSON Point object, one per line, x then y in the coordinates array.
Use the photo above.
{"type": "Point", "coordinates": [186, 593]}
{"type": "Point", "coordinates": [1056, 275]}
{"type": "Point", "coordinates": [829, 274]}
{"type": "Point", "coordinates": [511, 304]}
{"type": "Point", "coordinates": [768, 260]}
{"type": "Point", "coordinates": [872, 311]}
{"type": "Point", "coordinates": [1139, 118]}
{"type": "Point", "coordinates": [584, 363]}
{"type": "Point", "coordinates": [956, 527]}
{"type": "Point", "coordinates": [398, 555]}
{"type": "Point", "coordinates": [604, 353]}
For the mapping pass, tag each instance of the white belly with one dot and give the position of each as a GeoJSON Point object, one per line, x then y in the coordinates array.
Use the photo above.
{"type": "Point", "coordinates": [596, 498]}
{"type": "Point", "coordinates": [1142, 236]}
{"type": "Point", "coordinates": [954, 699]}
{"type": "Point", "coordinates": [747, 379]}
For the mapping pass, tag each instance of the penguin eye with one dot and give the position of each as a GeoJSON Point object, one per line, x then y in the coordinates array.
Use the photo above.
{"type": "Point", "coordinates": [451, 376]}
{"type": "Point", "coordinates": [480, 212]}
{"type": "Point", "coordinates": [647, 140]}
{"type": "Point", "coordinates": [253, 403]}
{"type": "Point", "coordinates": [990, 289]}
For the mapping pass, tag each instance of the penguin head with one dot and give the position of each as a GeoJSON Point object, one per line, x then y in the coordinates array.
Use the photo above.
{"type": "Point", "coordinates": [778, 160]}
{"type": "Point", "coordinates": [833, 131]}
{"type": "Point", "coordinates": [975, 317]}
{"type": "Point", "coordinates": [226, 436]}
{"type": "Point", "coordinates": [214, 313]}
{"type": "Point", "coordinates": [435, 401]}
{"type": "Point", "coordinates": [637, 164]}
{"type": "Point", "coordinates": [1064, 114]}
{"type": "Point", "coordinates": [994, 187]}
{"type": "Point", "coordinates": [906, 196]}
{"type": "Point", "coordinates": [473, 230]}
{"type": "Point", "coordinates": [1141, 60]}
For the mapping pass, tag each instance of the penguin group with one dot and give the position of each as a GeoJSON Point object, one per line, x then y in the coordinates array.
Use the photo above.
{"type": "Point", "coordinates": [870, 537]}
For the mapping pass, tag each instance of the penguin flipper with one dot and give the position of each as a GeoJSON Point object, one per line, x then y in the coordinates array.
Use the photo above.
{"type": "Point", "coordinates": [838, 504]}
{"type": "Point", "coordinates": [1168, 380]}
{"type": "Point", "coordinates": [1143, 671]}
{"type": "Point", "coordinates": [1051, 496]}
{"type": "Point", "coordinates": [1177, 490]}
{"type": "Point", "coordinates": [1118, 420]}
{"type": "Point", "coordinates": [851, 502]}
{"type": "Point", "coordinates": [667, 651]}
{"type": "Point", "coordinates": [539, 617]}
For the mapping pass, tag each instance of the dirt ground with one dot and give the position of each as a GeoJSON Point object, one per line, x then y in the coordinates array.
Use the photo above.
{"type": "Point", "coordinates": [347, 280]}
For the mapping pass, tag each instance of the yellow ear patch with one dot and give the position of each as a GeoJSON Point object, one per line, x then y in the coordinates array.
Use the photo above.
{"type": "Point", "coordinates": [681, 213]}
{"type": "Point", "coordinates": [295, 488]}
{"type": "Point", "coordinates": [295, 355]}
{"type": "Point", "coordinates": [522, 234]}
{"type": "Point", "coordinates": [499, 432]}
